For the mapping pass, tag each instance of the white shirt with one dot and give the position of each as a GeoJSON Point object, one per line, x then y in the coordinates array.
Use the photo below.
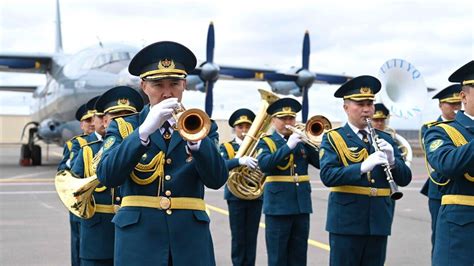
{"type": "Point", "coordinates": [238, 140]}
{"type": "Point", "coordinates": [99, 136]}
{"type": "Point", "coordinates": [171, 129]}
{"type": "Point", "coordinates": [470, 116]}
{"type": "Point", "coordinates": [356, 130]}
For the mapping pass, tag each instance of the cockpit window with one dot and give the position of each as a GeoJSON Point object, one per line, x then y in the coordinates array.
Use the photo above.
{"type": "Point", "coordinates": [104, 59]}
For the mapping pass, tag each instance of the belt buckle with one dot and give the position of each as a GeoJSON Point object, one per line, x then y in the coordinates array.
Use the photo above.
{"type": "Point", "coordinates": [165, 203]}
{"type": "Point", "coordinates": [373, 192]}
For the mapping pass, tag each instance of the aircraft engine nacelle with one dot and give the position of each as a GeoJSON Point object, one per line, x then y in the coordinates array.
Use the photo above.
{"type": "Point", "coordinates": [50, 130]}
{"type": "Point", "coordinates": [194, 83]}
{"type": "Point", "coordinates": [285, 88]}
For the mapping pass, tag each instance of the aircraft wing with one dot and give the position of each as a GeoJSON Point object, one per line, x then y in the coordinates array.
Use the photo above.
{"type": "Point", "coordinates": [256, 74]}
{"type": "Point", "coordinates": [331, 78]}
{"type": "Point", "coordinates": [25, 63]}
{"type": "Point", "coordinates": [18, 88]}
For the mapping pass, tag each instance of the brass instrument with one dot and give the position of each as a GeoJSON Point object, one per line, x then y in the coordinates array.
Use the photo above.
{"type": "Point", "coordinates": [395, 193]}
{"type": "Point", "coordinates": [312, 132]}
{"type": "Point", "coordinates": [192, 124]}
{"type": "Point", "coordinates": [243, 182]}
{"type": "Point", "coordinates": [403, 145]}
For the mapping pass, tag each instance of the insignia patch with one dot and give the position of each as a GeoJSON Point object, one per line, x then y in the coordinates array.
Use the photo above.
{"type": "Point", "coordinates": [435, 144]}
{"type": "Point", "coordinates": [144, 157]}
{"type": "Point", "coordinates": [321, 153]}
{"type": "Point", "coordinates": [109, 142]}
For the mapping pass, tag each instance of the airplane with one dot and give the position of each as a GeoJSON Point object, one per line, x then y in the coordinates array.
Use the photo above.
{"type": "Point", "coordinates": [72, 80]}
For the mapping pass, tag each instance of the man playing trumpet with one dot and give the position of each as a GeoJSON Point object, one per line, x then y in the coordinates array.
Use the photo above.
{"type": "Point", "coordinates": [360, 211]}
{"type": "Point", "coordinates": [287, 191]}
{"type": "Point", "coordinates": [162, 219]}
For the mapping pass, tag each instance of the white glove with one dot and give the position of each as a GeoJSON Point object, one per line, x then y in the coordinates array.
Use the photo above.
{"type": "Point", "coordinates": [248, 161]}
{"type": "Point", "coordinates": [388, 149]}
{"type": "Point", "coordinates": [376, 158]}
{"type": "Point", "coordinates": [293, 140]}
{"type": "Point", "coordinates": [156, 117]}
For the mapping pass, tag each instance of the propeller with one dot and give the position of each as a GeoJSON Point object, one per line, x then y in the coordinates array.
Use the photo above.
{"type": "Point", "coordinates": [305, 77]}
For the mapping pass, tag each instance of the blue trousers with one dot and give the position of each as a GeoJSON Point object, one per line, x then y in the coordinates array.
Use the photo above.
{"type": "Point", "coordinates": [244, 218]}
{"type": "Point", "coordinates": [109, 262]}
{"type": "Point", "coordinates": [75, 224]}
{"type": "Point", "coordinates": [287, 239]}
{"type": "Point", "coordinates": [354, 250]}
{"type": "Point", "coordinates": [433, 205]}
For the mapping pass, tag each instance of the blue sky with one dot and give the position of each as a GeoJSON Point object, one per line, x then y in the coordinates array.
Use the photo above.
{"type": "Point", "coordinates": [350, 37]}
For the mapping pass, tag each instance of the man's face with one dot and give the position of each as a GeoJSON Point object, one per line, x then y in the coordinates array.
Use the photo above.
{"type": "Point", "coordinates": [467, 99]}
{"type": "Point", "coordinates": [448, 109]}
{"type": "Point", "coordinates": [99, 126]}
{"type": "Point", "coordinates": [159, 90]}
{"type": "Point", "coordinates": [279, 124]}
{"type": "Point", "coordinates": [358, 111]}
{"type": "Point", "coordinates": [379, 123]}
{"type": "Point", "coordinates": [87, 126]}
{"type": "Point", "coordinates": [240, 129]}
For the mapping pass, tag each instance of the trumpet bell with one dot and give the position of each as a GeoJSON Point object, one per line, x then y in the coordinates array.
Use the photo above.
{"type": "Point", "coordinates": [76, 193]}
{"type": "Point", "coordinates": [193, 124]}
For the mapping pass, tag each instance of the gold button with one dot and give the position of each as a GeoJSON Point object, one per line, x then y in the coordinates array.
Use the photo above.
{"type": "Point", "coordinates": [167, 177]}
{"type": "Point", "coordinates": [168, 161]}
{"type": "Point", "coordinates": [117, 198]}
{"type": "Point", "coordinates": [297, 184]}
{"type": "Point", "coordinates": [165, 203]}
{"type": "Point", "coordinates": [169, 212]}
{"type": "Point", "coordinates": [168, 193]}
{"type": "Point", "coordinates": [296, 174]}
{"type": "Point", "coordinates": [294, 165]}
{"type": "Point", "coordinates": [372, 181]}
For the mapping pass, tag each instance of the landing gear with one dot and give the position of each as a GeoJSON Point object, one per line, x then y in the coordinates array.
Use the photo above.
{"type": "Point", "coordinates": [30, 153]}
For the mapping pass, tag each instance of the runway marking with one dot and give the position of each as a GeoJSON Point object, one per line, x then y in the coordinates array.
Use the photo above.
{"type": "Point", "coordinates": [26, 175]}
{"type": "Point", "coordinates": [27, 192]}
{"type": "Point", "coordinates": [26, 180]}
{"type": "Point", "coordinates": [262, 225]}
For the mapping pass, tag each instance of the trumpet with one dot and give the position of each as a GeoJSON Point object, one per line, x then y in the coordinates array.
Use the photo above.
{"type": "Point", "coordinates": [312, 132]}
{"type": "Point", "coordinates": [192, 124]}
{"type": "Point", "coordinates": [395, 193]}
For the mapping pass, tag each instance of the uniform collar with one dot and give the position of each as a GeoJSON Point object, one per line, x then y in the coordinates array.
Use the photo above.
{"type": "Point", "coordinates": [465, 120]}
{"type": "Point", "coordinates": [470, 116]}
{"type": "Point", "coordinates": [238, 141]}
{"type": "Point", "coordinates": [98, 136]}
{"type": "Point", "coordinates": [356, 129]}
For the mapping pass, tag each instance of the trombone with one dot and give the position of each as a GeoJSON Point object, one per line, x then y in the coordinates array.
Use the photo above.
{"type": "Point", "coordinates": [312, 132]}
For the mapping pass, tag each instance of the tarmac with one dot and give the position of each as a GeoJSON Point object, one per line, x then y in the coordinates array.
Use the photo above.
{"type": "Point", "coordinates": [34, 224]}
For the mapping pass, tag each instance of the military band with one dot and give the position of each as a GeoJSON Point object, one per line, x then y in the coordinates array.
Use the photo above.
{"type": "Point", "coordinates": [449, 104]}
{"type": "Point", "coordinates": [449, 147]}
{"type": "Point", "coordinates": [360, 211]}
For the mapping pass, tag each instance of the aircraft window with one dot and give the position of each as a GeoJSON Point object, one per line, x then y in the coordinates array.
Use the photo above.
{"type": "Point", "coordinates": [104, 59]}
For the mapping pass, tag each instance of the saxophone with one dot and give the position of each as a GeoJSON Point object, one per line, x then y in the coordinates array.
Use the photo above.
{"type": "Point", "coordinates": [243, 182]}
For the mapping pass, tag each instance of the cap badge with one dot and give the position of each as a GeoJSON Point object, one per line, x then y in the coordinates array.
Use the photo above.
{"type": "Point", "coordinates": [286, 109]}
{"type": "Point", "coordinates": [243, 117]}
{"type": "Point", "coordinates": [123, 101]}
{"type": "Point", "coordinates": [166, 63]}
{"type": "Point", "coordinates": [365, 90]}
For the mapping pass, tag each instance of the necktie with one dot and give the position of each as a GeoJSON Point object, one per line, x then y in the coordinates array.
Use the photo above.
{"type": "Point", "coordinates": [167, 133]}
{"type": "Point", "coordinates": [365, 138]}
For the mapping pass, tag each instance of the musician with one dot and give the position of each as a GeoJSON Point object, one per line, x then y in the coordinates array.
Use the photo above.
{"type": "Point", "coordinates": [449, 102]}
{"type": "Point", "coordinates": [97, 233]}
{"type": "Point", "coordinates": [449, 148]}
{"type": "Point", "coordinates": [287, 192]}
{"type": "Point", "coordinates": [162, 219]}
{"type": "Point", "coordinates": [360, 211]}
{"type": "Point", "coordinates": [85, 119]}
{"type": "Point", "coordinates": [244, 215]}
{"type": "Point", "coordinates": [380, 117]}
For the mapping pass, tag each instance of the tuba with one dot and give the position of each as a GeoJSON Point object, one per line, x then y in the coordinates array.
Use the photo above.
{"type": "Point", "coordinates": [403, 145]}
{"type": "Point", "coordinates": [312, 132]}
{"type": "Point", "coordinates": [243, 182]}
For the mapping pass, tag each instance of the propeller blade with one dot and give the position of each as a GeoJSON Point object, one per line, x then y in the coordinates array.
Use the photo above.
{"type": "Point", "coordinates": [305, 106]}
{"type": "Point", "coordinates": [209, 97]}
{"type": "Point", "coordinates": [210, 44]}
{"type": "Point", "coordinates": [306, 50]}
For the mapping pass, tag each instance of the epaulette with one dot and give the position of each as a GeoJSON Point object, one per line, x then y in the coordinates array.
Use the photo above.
{"type": "Point", "coordinates": [75, 137]}
{"type": "Point", "coordinates": [265, 135]}
{"type": "Point", "coordinates": [89, 143]}
{"type": "Point", "coordinates": [124, 115]}
{"type": "Point", "coordinates": [332, 129]}
{"type": "Point", "coordinates": [440, 122]}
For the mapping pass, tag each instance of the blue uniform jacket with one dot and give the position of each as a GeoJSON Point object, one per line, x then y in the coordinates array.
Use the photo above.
{"type": "Point", "coordinates": [430, 189]}
{"type": "Point", "coordinates": [358, 214]}
{"type": "Point", "coordinates": [455, 225]}
{"type": "Point", "coordinates": [97, 233]}
{"type": "Point", "coordinates": [286, 198]}
{"type": "Point", "coordinates": [67, 152]}
{"type": "Point", "coordinates": [146, 236]}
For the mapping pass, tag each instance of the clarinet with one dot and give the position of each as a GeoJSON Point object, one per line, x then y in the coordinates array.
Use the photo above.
{"type": "Point", "coordinates": [395, 193]}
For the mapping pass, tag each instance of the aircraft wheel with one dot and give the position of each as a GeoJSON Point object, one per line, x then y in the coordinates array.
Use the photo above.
{"type": "Point", "coordinates": [25, 155]}
{"type": "Point", "coordinates": [36, 155]}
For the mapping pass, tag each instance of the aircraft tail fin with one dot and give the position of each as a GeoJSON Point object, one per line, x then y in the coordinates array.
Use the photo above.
{"type": "Point", "coordinates": [59, 38]}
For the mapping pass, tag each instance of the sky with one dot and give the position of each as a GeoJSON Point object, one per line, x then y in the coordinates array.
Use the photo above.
{"type": "Point", "coordinates": [347, 37]}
